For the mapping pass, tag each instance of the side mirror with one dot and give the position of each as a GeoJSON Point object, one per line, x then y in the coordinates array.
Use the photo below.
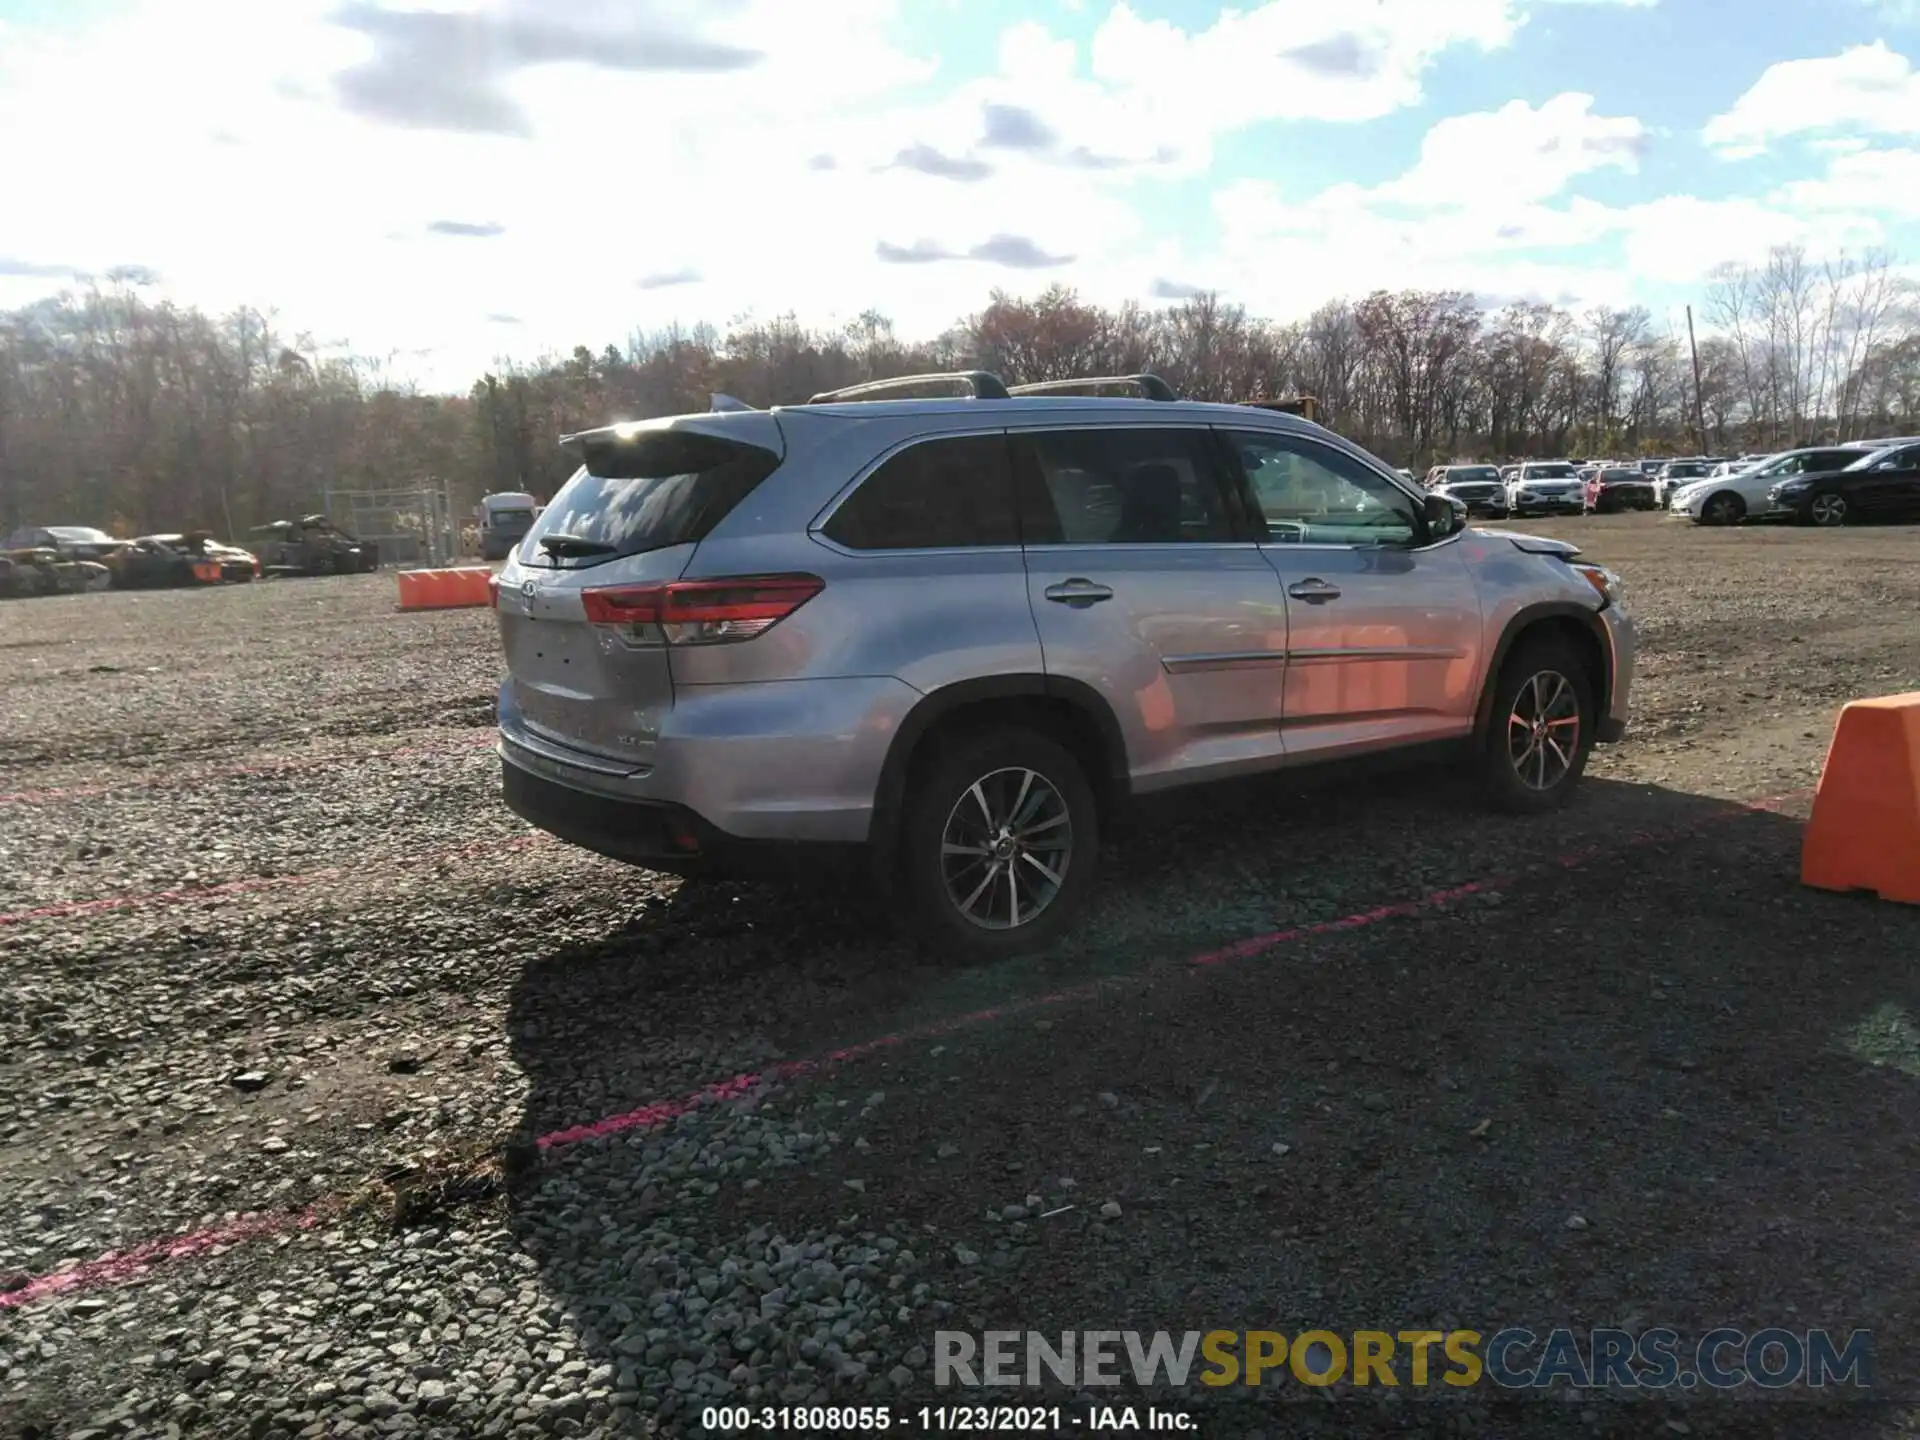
{"type": "Point", "coordinates": [1445, 515]}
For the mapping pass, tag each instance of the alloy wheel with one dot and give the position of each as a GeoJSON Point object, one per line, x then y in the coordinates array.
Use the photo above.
{"type": "Point", "coordinates": [1005, 848]}
{"type": "Point", "coordinates": [1543, 730]}
{"type": "Point", "coordinates": [1829, 510]}
{"type": "Point", "coordinates": [1723, 511]}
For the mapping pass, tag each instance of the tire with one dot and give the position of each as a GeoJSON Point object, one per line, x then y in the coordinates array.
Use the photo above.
{"type": "Point", "coordinates": [945, 810]}
{"type": "Point", "coordinates": [1723, 508]}
{"type": "Point", "coordinates": [1510, 775]}
{"type": "Point", "coordinates": [1829, 511]}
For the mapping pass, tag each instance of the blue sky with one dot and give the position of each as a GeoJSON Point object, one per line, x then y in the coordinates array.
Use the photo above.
{"type": "Point", "coordinates": [449, 181]}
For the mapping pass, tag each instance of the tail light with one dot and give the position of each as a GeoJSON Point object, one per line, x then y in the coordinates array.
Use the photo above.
{"type": "Point", "coordinates": [703, 612]}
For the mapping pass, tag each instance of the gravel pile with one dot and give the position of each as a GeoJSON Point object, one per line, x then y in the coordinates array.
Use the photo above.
{"type": "Point", "coordinates": [377, 989]}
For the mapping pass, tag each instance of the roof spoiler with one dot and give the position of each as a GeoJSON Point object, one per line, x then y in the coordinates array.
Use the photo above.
{"type": "Point", "coordinates": [1151, 387]}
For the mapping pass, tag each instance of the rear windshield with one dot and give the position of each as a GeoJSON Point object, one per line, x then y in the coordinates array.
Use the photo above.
{"type": "Point", "coordinates": [663, 488]}
{"type": "Point", "coordinates": [1621, 475]}
{"type": "Point", "coordinates": [512, 517]}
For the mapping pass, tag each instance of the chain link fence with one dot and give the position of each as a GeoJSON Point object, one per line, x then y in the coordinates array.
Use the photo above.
{"type": "Point", "coordinates": [412, 527]}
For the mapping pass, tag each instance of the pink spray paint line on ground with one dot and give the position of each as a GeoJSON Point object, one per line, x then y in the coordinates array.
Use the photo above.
{"type": "Point", "coordinates": [122, 1266]}
{"type": "Point", "coordinates": [268, 767]}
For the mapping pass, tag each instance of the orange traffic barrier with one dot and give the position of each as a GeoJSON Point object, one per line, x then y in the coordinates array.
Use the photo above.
{"type": "Point", "coordinates": [1865, 830]}
{"type": "Point", "coordinates": [462, 588]}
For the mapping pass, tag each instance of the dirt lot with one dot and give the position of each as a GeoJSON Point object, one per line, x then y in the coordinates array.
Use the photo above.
{"type": "Point", "coordinates": [292, 1002]}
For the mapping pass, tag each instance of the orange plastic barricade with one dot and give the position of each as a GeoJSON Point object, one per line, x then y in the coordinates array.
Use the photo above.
{"type": "Point", "coordinates": [1865, 830]}
{"type": "Point", "coordinates": [462, 588]}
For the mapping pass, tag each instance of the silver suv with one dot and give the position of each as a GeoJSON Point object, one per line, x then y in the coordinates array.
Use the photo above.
{"type": "Point", "coordinates": [951, 636]}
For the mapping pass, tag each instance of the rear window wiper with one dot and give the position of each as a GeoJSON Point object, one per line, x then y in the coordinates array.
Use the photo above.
{"type": "Point", "coordinates": [577, 545]}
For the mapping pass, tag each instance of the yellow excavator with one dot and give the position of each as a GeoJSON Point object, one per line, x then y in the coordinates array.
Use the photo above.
{"type": "Point", "coordinates": [1305, 406]}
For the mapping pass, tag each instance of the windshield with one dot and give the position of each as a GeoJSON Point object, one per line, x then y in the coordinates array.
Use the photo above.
{"type": "Point", "coordinates": [1547, 472]}
{"type": "Point", "coordinates": [1471, 473]}
{"type": "Point", "coordinates": [1621, 475]}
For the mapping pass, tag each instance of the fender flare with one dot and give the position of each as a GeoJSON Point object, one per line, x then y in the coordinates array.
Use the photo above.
{"type": "Point", "coordinates": [936, 705]}
{"type": "Point", "coordinates": [1523, 620]}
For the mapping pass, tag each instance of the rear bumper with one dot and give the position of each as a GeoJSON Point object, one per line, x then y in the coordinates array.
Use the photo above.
{"type": "Point", "coordinates": [655, 835]}
{"type": "Point", "coordinates": [793, 762]}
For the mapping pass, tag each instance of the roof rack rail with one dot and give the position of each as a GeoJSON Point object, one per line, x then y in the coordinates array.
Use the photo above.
{"type": "Point", "coordinates": [983, 384]}
{"type": "Point", "coordinates": [1151, 387]}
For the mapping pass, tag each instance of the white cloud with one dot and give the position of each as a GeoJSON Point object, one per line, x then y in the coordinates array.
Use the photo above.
{"type": "Point", "coordinates": [1483, 209]}
{"type": "Point", "coordinates": [1868, 88]}
{"type": "Point", "coordinates": [1865, 181]}
{"type": "Point", "coordinates": [1518, 153]}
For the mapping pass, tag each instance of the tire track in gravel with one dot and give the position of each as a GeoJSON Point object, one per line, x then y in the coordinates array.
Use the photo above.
{"type": "Point", "coordinates": [132, 1262]}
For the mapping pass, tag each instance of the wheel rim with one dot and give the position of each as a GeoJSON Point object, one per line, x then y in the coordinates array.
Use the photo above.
{"type": "Point", "coordinates": [1829, 510]}
{"type": "Point", "coordinates": [1005, 848]}
{"type": "Point", "coordinates": [1543, 730]}
{"type": "Point", "coordinates": [1724, 511]}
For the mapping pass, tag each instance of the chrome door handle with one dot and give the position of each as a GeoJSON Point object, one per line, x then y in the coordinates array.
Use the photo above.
{"type": "Point", "coordinates": [1314, 591]}
{"type": "Point", "coordinates": [1078, 592]}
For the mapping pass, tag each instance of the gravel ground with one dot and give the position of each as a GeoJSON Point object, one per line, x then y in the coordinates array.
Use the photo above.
{"type": "Point", "coordinates": [273, 949]}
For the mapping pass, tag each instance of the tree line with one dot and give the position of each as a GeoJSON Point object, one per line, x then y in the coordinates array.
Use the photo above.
{"type": "Point", "coordinates": [120, 411]}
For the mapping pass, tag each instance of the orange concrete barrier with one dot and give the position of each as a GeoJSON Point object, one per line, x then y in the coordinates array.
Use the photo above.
{"type": "Point", "coordinates": [1865, 830]}
{"type": "Point", "coordinates": [462, 588]}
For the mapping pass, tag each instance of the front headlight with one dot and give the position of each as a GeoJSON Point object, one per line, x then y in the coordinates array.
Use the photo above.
{"type": "Point", "coordinates": [1609, 586]}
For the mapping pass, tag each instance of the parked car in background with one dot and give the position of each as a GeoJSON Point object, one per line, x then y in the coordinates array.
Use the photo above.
{"type": "Point", "coordinates": [1545, 487]}
{"type": "Point", "coordinates": [1880, 485]}
{"type": "Point", "coordinates": [946, 638]}
{"type": "Point", "coordinates": [1617, 487]}
{"type": "Point", "coordinates": [1743, 495]}
{"type": "Point", "coordinates": [1674, 474]}
{"type": "Point", "coordinates": [505, 518]}
{"type": "Point", "coordinates": [312, 546]}
{"type": "Point", "coordinates": [69, 542]}
{"type": "Point", "coordinates": [1477, 487]}
{"type": "Point", "coordinates": [162, 561]}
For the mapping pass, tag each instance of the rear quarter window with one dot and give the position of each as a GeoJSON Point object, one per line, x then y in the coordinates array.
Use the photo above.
{"type": "Point", "coordinates": [945, 494]}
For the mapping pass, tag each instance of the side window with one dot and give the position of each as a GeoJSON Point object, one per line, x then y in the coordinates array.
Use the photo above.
{"type": "Point", "coordinates": [940, 494]}
{"type": "Point", "coordinates": [1312, 494]}
{"type": "Point", "coordinates": [1121, 487]}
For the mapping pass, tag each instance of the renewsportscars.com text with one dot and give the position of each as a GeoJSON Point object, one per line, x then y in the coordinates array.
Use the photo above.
{"type": "Point", "coordinates": [1513, 1358]}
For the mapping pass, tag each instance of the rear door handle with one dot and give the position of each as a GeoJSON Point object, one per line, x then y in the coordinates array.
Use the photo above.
{"type": "Point", "coordinates": [1078, 592]}
{"type": "Point", "coordinates": [1313, 591]}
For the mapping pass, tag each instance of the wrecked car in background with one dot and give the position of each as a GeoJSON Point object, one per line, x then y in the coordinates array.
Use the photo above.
{"type": "Point", "coordinates": [155, 562]}
{"type": "Point", "coordinates": [312, 545]}
{"type": "Point", "coordinates": [69, 542]}
{"type": "Point", "coordinates": [26, 573]}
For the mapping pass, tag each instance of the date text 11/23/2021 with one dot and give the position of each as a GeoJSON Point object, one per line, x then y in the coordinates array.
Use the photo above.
{"type": "Point", "coordinates": [1089, 1420]}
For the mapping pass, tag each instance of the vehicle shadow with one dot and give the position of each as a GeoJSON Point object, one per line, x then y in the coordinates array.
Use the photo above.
{"type": "Point", "coordinates": [1650, 1029]}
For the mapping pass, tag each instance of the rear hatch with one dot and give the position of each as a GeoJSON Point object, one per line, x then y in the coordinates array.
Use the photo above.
{"type": "Point", "coordinates": [580, 603]}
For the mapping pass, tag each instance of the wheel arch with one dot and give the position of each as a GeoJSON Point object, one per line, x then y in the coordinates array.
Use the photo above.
{"type": "Point", "coordinates": [1070, 710]}
{"type": "Point", "coordinates": [1583, 627]}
